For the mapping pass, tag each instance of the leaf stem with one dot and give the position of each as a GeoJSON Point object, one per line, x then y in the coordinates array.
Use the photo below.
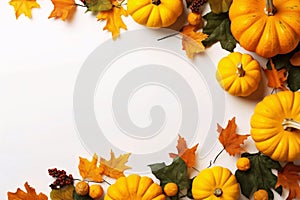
{"type": "Point", "coordinates": [168, 36]}
{"type": "Point", "coordinates": [217, 156]}
{"type": "Point", "coordinates": [76, 4]}
{"type": "Point", "coordinates": [195, 169]}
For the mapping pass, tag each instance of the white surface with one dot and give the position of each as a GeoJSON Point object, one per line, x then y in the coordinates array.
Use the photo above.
{"type": "Point", "coordinates": [39, 62]}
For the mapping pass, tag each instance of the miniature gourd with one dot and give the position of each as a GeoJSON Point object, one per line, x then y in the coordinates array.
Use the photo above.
{"type": "Point", "coordinates": [155, 13]}
{"type": "Point", "coordinates": [265, 27]}
{"type": "Point", "coordinates": [238, 74]}
{"type": "Point", "coordinates": [134, 187]}
{"type": "Point", "coordinates": [215, 183]}
{"type": "Point", "coordinates": [275, 126]}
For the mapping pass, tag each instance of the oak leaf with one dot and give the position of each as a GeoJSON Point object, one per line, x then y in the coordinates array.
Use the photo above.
{"type": "Point", "coordinates": [186, 154]}
{"type": "Point", "coordinates": [63, 9]}
{"type": "Point", "coordinates": [289, 178]}
{"type": "Point", "coordinates": [113, 19]}
{"type": "Point", "coordinates": [90, 170]}
{"type": "Point", "coordinates": [192, 40]}
{"type": "Point", "coordinates": [276, 78]}
{"type": "Point", "coordinates": [114, 167]}
{"type": "Point", "coordinates": [229, 139]}
{"type": "Point", "coordinates": [24, 7]}
{"type": "Point", "coordinates": [30, 195]}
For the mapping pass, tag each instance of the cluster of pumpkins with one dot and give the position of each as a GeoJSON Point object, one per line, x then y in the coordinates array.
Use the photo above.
{"type": "Point", "coordinates": [259, 26]}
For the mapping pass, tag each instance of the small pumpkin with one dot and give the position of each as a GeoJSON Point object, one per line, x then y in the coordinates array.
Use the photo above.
{"type": "Point", "coordinates": [171, 189]}
{"type": "Point", "coordinates": [275, 126]}
{"type": "Point", "coordinates": [134, 187]}
{"type": "Point", "coordinates": [261, 195]}
{"type": "Point", "coordinates": [266, 28]}
{"type": "Point", "coordinates": [215, 183]}
{"type": "Point", "coordinates": [238, 74]}
{"type": "Point", "coordinates": [243, 164]}
{"type": "Point", "coordinates": [155, 13]}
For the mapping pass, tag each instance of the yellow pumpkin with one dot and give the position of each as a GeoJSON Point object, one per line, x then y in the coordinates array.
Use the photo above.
{"type": "Point", "coordinates": [155, 13]}
{"type": "Point", "coordinates": [215, 183]}
{"type": "Point", "coordinates": [275, 126]}
{"type": "Point", "coordinates": [265, 27]}
{"type": "Point", "coordinates": [238, 74]}
{"type": "Point", "coordinates": [134, 187]}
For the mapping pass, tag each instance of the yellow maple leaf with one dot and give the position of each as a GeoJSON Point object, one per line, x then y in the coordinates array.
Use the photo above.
{"type": "Point", "coordinates": [24, 7]}
{"type": "Point", "coordinates": [90, 170]}
{"type": "Point", "coordinates": [192, 40]}
{"type": "Point", "coordinates": [113, 19]}
{"type": "Point", "coordinates": [30, 195]}
{"type": "Point", "coordinates": [63, 9]}
{"type": "Point", "coordinates": [114, 167]}
{"type": "Point", "coordinates": [188, 155]}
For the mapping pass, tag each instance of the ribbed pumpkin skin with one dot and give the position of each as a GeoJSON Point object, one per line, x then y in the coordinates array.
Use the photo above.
{"type": "Point", "coordinates": [263, 34]}
{"type": "Point", "coordinates": [266, 126]}
{"type": "Point", "coordinates": [216, 177]}
{"type": "Point", "coordinates": [134, 187]}
{"type": "Point", "coordinates": [146, 13]}
{"type": "Point", "coordinates": [230, 81]}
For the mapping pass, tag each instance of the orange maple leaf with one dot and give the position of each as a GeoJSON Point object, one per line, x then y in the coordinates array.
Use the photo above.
{"type": "Point", "coordinates": [289, 178]}
{"type": "Point", "coordinates": [229, 139]}
{"type": "Point", "coordinates": [114, 167]}
{"type": "Point", "coordinates": [90, 170]}
{"type": "Point", "coordinates": [63, 9]}
{"type": "Point", "coordinates": [186, 154]}
{"type": "Point", "coordinates": [276, 78]}
{"type": "Point", "coordinates": [24, 7]}
{"type": "Point", "coordinates": [192, 40]}
{"type": "Point", "coordinates": [113, 19]}
{"type": "Point", "coordinates": [30, 195]}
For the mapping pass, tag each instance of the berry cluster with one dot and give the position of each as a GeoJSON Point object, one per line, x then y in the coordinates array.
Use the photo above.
{"type": "Point", "coordinates": [61, 178]}
{"type": "Point", "coordinates": [195, 6]}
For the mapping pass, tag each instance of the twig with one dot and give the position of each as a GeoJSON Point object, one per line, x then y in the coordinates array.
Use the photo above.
{"type": "Point", "coordinates": [168, 36]}
{"type": "Point", "coordinates": [76, 4]}
{"type": "Point", "coordinates": [214, 161]}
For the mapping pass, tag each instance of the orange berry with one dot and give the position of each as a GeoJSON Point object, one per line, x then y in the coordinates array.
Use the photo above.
{"type": "Point", "coordinates": [82, 188]}
{"type": "Point", "coordinates": [243, 164]}
{"type": "Point", "coordinates": [96, 191]}
{"type": "Point", "coordinates": [171, 189]}
{"type": "Point", "coordinates": [194, 19]}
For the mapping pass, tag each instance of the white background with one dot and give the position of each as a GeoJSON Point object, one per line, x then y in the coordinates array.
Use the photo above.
{"type": "Point", "coordinates": [39, 62]}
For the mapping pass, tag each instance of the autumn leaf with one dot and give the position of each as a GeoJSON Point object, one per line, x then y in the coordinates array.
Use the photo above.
{"type": "Point", "coordinates": [113, 19]}
{"type": "Point", "coordinates": [289, 178]}
{"type": "Point", "coordinates": [192, 41]}
{"type": "Point", "coordinates": [229, 139]}
{"type": "Point", "coordinates": [186, 154]}
{"type": "Point", "coordinates": [24, 7]}
{"type": "Point", "coordinates": [114, 167]}
{"type": "Point", "coordinates": [219, 6]}
{"type": "Point", "coordinates": [64, 193]}
{"type": "Point", "coordinates": [63, 9]}
{"type": "Point", "coordinates": [276, 78]}
{"type": "Point", "coordinates": [90, 170]}
{"type": "Point", "coordinates": [30, 195]}
{"type": "Point", "coordinates": [98, 5]}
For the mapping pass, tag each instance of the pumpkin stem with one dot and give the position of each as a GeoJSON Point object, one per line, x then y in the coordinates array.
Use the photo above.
{"type": "Point", "coordinates": [156, 2]}
{"type": "Point", "coordinates": [289, 124]}
{"type": "Point", "coordinates": [218, 192]}
{"type": "Point", "coordinates": [240, 71]}
{"type": "Point", "coordinates": [270, 9]}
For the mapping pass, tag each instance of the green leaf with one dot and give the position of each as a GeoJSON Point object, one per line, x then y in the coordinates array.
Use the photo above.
{"type": "Point", "coordinates": [176, 172]}
{"type": "Point", "coordinates": [65, 193]}
{"type": "Point", "coordinates": [218, 29]}
{"type": "Point", "coordinates": [259, 176]}
{"type": "Point", "coordinates": [98, 5]}
{"type": "Point", "coordinates": [219, 6]}
{"type": "Point", "coordinates": [79, 197]}
{"type": "Point", "coordinates": [189, 191]}
{"type": "Point", "coordinates": [293, 79]}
